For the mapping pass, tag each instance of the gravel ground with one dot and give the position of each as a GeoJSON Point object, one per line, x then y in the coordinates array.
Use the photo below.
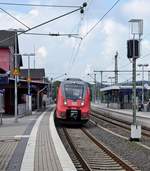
{"type": "Point", "coordinates": [112, 127]}
{"type": "Point", "coordinates": [130, 151]}
{"type": "Point", "coordinates": [68, 148]}
{"type": "Point", "coordinates": [121, 131]}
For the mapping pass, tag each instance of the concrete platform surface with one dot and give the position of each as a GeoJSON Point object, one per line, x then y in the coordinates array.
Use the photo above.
{"type": "Point", "coordinates": [32, 144]}
{"type": "Point", "coordinates": [12, 136]}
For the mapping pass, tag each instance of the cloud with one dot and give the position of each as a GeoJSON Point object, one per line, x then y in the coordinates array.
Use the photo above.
{"type": "Point", "coordinates": [34, 12]}
{"type": "Point", "coordinates": [97, 50]}
{"type": "Point", "coordinates": [100, 46]}
{"type": "Point", "coordinates": [115, 38]}
{"type": "Point", "coordinates": [145, 45]}
{"type": "Point", "coordinates": [137, 8]}
{"type": "Point", "coordinates": [88, 69]}
{"type": "Point", "coordinates": [41, 52]}
{"type": "Point", "coordinates": [86, 26]}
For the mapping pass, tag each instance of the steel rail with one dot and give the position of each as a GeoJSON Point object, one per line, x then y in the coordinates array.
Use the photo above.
{"type": "Point", "coordinates": [120, 121]}
{"type": "Point", "coordinates": [114, 122]}
{"type": "Point", "coordinates": [83, 163]}
{"type": "Point", "coordinates": [116, 158]}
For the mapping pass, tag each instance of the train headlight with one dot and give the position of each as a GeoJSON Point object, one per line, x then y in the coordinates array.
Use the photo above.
{"type": "Point", "coordinates": [82, 103]}
{"type": "Point", "coordinates": [65, 102]}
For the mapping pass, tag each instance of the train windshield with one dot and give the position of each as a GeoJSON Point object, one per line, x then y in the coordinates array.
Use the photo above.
{"type": "Point", "coordinates": [74, 91]}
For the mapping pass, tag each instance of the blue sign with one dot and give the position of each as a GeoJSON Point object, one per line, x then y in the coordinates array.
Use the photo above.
{"type": "Point", "coordinates": [4, 79]}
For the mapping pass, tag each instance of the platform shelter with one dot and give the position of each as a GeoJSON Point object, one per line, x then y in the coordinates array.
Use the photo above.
{"type": "Point", "coordinates": [120, 97]}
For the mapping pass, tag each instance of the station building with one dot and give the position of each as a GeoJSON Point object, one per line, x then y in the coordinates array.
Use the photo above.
{"type": "Point", "coordinates": [120, 96]}
{"type": "Point", "coordinates": [7, 78]}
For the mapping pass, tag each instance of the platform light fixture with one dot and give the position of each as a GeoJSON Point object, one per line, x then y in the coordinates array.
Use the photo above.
{"type": "Point", "coordinates": [95, 87]}
{"type": "Point", "coordinates": [29, 80]}
{"type": "Point", "coordinates": [143, 65]}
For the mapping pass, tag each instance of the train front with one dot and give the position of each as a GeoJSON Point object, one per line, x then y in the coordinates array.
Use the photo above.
{"type": "Point", "coordinates": [73, 102]}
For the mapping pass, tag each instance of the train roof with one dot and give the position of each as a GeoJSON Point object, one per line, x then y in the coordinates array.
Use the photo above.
{"type": "Point", "coordinates": [74, 81]}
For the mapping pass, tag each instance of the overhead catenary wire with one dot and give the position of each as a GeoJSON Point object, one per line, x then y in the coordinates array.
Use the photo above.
{"type": "Point", "coordinates": [130, 78]}
{"type": "Point", "coordinates": [75, 47]}
{"type": "Point", "coordinates": [71, 57]}
{"type": "Point", "coordinates": [78, 30]}
{"type": "Point", "coordinates": [74, 53]}
{"type": "Point", "coordinates": [77, 51]}
{"type": "Point", "coordinates": [89, 5]}
{"type": "Point", "coordinates": [89, 2]}
{"type": "Point", "coordinates": [75, 35]}
{"type": "Point", "coordinates": [44, 23]}
{"type": "Point", "coordinates": [29, 29]}
{"type": "Point", "coordinates": [38, 5]}
{"type": "Point", "coordinates": [93, 27]}
{"type": "Point", "coordinates": [74, 57]}
{"type": "Point", "coordinates": [123, 66]}
{"type": "Point", "coordinates": [14, 18]}
{"type": "Point", "coordinates": [148, 54]}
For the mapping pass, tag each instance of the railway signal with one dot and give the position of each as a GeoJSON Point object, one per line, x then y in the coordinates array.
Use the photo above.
{"type": "Point", "coordinates": [136, 26]}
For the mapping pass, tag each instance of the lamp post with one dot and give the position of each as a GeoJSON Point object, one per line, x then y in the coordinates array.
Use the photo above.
{"type": "Point", "coordinates": [136, 30]}
{"type": "Point", "coordinates": [16, 73]}
{"type": "Point", "coordinates": [51, 80]}
{"type": "Point", "coordinates": [143, 65]}
{"type": "Point", "coordinates": [29, 80]}
{"type": "Point", "coordinates": [16, 90]}
{"type": "Point", "coordinates": [94, 91]}
{"type": "Point", "coordinates": [95, 88]}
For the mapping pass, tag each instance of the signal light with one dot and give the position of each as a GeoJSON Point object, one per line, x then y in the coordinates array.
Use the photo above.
{"type": "Point", "coordinates": [133, 48]}
{"type": "Point", "coordinates": [82, 103]}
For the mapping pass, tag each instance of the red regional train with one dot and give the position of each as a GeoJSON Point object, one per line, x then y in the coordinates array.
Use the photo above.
{"type": "Point", "coordinates": [73, 102]}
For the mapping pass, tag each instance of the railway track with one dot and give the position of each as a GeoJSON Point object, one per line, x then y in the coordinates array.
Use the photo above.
{"type": "Point", "coordinates": [69, 149]}
{"type": "Point", "coordinates": [103, 115]}
{"type": "Point", "coordinates": [92, 154]}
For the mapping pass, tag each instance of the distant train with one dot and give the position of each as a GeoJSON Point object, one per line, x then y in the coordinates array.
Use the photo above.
{"type": "Point", "coordinates": [73, 101]}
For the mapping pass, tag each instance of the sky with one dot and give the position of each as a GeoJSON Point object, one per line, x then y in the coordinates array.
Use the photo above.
{"type": "Point", "coordinates": [77, 58]}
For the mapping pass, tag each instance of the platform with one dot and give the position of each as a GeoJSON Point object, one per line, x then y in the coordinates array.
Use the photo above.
{"type": "Point", "coordinates": [32, 144]}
